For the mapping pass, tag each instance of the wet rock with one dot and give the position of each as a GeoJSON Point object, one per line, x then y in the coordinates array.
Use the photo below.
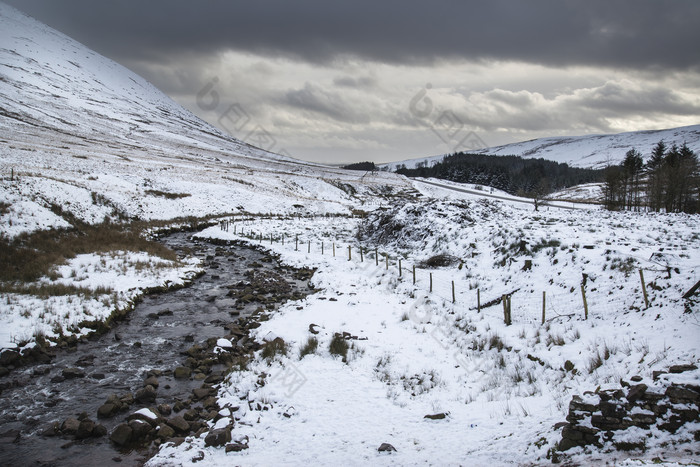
{"type": "Point", "coordinates": [121, 435]}
{"type": "Point", "coordinates": [9, 358]}
{"type": "Point", "coordinates": [218, 437]}
{"type": "Point", "coordinates": [165, 432]}
{"type": "Point", "coordinates": [52, 429]}
{"type": "Point", "coordinates": [179, 406]}
{"type": "Point", "coordinates": [70, 373]}
{"type": "Point", "coordinates": [164, 409]}
{"type": "Point", "coordinates": [4, 371]}
{"type": "Point", "coordinates": [140, 430]}
{"type": "Point", "coordinates": [70, 426]}
{"type": "Point", "coordinates": [107, 410]}
{"type": "Point", "coordinates": [201, 393]}
{"type": "Point", "coordinates": [437, 416]}
{"type": "Point", "coordinates": [99, 431]}
{"type": "Point", "coordinates": [386, 447]}
{"type": "Point", "coordinates": [682, 368]}
{"type": "Point", "coordinates": [683, 393]}
{"type": "Point", "coordinates": [190, 415]}
{"type": "Point", "coordinates": [636, 392]}
{"type": "Point", "coordinates": [85, 429]}
{"type": "Point", "coordinates": [182, 372]}
{"type": "Point", "coordinates": [147, 394]}
{"type": "Point", "coordinates": [179, 424]}
{"type": "Point", "coordinates": [151, 380]}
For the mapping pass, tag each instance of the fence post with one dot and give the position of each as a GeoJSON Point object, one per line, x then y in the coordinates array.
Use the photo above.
{"type": "Point", "coordinates": [362, 256]}
{"type": "Point", "coordinates": [431, 281]}
{"type": "Point", "coordinates": [376, 257]}
{"type": "Point", "coordinates": [506, 310]}
{"type": "Point", "coordinates": [321, 248]}
{"type": "Point", "coordinates": [400, 271]}
{"type": "Point", "coordinates": [478, 300]}
{"type": "Point", "coordinates": [309, 250]}
{"type": "Point", "coordinates": [271, 239]}
{"type": "Point", "coordinates": [349, 253]}
{"type": "Point", "coordinates": [386, 257]}
{"type": "Point", "coordinates": [544, 304]}
{"type": "Point", "coordinates": [296, 243]}
{"type": "Point", "coordinates": [585, 303]}
{"type": "Point", "coordinates": [453, 291]}
{"type": "Point", "coordinates": [414, 274]}
{"type": "Point", "coordinates": [334, 249]}
{"type": "Point", "coordinates": [644, 288]}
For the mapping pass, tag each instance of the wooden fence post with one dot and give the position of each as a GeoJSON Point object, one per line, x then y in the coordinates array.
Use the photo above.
{"type": "Point", "coordinates": [386, 257]}
{"type": "Point", "coordinates": [334, 249]}
{"type": "Point", "coordinates": [270, 239]}
{"type": "Point", "coordinates": [478, 300]}
{"type": "Point", "coordinates": [362, 256]}
{"type": "Point", "coordinates": [544, 304]}
{"type": "Point", "coordinates": [349, 253]}
{"type": "Point", "coordinates": [309, 250]}
{"type": "Point", "coordinates": [644, 288]}
{"type": "Point", "coordinates": [431, 281]}
{"type": "Point", "coordinates": [296, 243]}
{"type": "Point", "coordinates": [585, 303]}
{"type": "Point", "coordinates": [399, 267]}
{"type": "Point", "coordinates": [376, 257]}
{"type": "Point", "coordinates": [414, 274]}
{"type": "Point", "coordinates": [321, 248]}
{"type": "Point", "coordinates": [506, 310]}
{"type": "Point", "coordinates": [453, 291]}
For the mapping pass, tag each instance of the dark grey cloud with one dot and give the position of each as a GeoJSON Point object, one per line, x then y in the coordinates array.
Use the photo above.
{"type": "Point", "coordinates": [616, 33]}
{"type": "Point", "coordinates": [333, 105]}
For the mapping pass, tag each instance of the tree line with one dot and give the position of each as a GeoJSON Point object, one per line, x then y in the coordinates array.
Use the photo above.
{"type": "Point", "coordinates": [512, 174]}
{"type": "Point", "coordinates": [669, 181]}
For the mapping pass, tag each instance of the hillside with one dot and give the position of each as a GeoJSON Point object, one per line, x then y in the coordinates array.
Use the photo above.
{"type": "Point", "coordinates": [80, 131]}
{"type": "Point", "coordinates": [588, 151]}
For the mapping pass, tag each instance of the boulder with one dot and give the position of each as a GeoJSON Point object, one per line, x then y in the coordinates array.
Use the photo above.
{"type": "Point", "coordinates": [121, 435]}
{"type": "Point", "coordinates": [182, 372]}
{"type": "Point", "coordinates": [85, 429]}
{"type": "Point", "coordinates": [386, 447]}
{"type": "Point", "coordinates": [179, 424]}
{"type": "Point", "coordinates": [146, 394]}
{"type": "Point", "coordinates": [218, 437]}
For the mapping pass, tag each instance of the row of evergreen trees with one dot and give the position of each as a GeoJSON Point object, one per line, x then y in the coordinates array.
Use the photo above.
{"type": "Point", "coordinates": [669, 181]}
{"type": "Point", "coordinates": [513, 174]}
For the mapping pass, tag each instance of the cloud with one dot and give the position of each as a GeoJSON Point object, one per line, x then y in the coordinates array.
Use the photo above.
{"type": "Point", "coordinates": [620, 33]}
{"type": "Point", "coordinates": [313, 98]}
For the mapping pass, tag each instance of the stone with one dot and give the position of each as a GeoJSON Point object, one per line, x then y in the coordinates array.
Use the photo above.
{"type": "Point", "coordinates": [218, 437]}
{"type": "Point", "coordinates": [166, 432]}
{"type": "Point", "coordinates": [147, 394]}
{"type": "Point", "coordinates": [236, 447]}
{"type": "Point", "coordinates": [52, 429]}
{"type": "Point", "coordinates": [85, 429]}
{"type": "Point", "coordinates": [99, 431]}
{"type": "Point", "coordinates": [70, 373]}
{"type": "Point", "coordinates": [4, 371]}
{"type": "Point", "coordinates": [682, 368]}
{"type": "Point", "coordinates": [182, 372]}
{"type": "Point", "coordinates": [682, 393]}
{"type": "Point", "coordinates": [636, 392]}
{"type": "Point", "coordinates": [121, 435]}
{"type": "Point", "coordinates": [179, 424]}
{"type": "Point", "coordinates": [386, 447]}
{"type": "Point", "coordinates": [202, 393]}
{"type": "Point", "coordinates": [9, 357]}
{"type": "Point", "coordinates": [568, 365]}
{"type": "Point", "coordinates": [164, 409]}
{"type": "Point", "coordinates": [151, 380]}
{"type": "Point", "coordinates": [437, 416]}
{"type": "Point", "coordinates": [636, 378]}
{"type": "Point", "coordinates": [140, 430]}
{"type": "Point", "coordinates": [106, 410]}
{"type": "Point", "coordinates": [70, 426]}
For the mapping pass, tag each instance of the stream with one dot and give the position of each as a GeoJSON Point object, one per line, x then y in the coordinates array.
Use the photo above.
{"type": "Point", "coordinates": [151, 341]}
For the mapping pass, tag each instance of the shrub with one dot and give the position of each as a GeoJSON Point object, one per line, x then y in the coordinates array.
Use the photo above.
{"type": "Point", "coordinates": [274, 348]}
{"type": "Point", "coordinates": [339, 346]}
{"type": "Point", "coordinates": [310, 347]}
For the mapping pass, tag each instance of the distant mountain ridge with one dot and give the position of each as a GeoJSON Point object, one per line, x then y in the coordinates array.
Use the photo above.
{"type": "Point", "coordinates": [588, 151]}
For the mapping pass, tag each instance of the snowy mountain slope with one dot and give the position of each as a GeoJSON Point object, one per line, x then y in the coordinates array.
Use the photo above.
{"type": "Point", "coordinates": [593, 151]}
{"type": "Point", "coordinates": [80, 131]}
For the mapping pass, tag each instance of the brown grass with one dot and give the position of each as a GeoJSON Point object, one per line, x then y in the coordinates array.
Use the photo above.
{"type": "Point", "coordinates": [28, 257]}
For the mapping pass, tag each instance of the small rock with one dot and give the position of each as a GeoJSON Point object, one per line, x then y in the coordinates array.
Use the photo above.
{"type": "Point", "coordinates": [682, 368]}
{"type": "Point", "coordinates": [85, 429]}
{"type": "Point", "coordinates": [106, 410]}
{"type": "Point", "coordinates": [151, 380]}
{"type": "Point", "coordinates": [437, 416]}
{"type": "Point", "coordinates": [182, 372]}
{"type": "Point", "coordinates": [179, 424]}
{"type": "Point", "coordinates": [218, 437]}
{"type": "Point", "coordinates": [386, 447]}
{"type": "Point", "coordinates": [165, 432]}
{"type": "Point", "coordinates": [147, 394]}
{"type": "Point", "coordinates": [70, 426]}
{"type": "Point", "coordinates": [139, 430]}
{"type": "Point", "coordinates": [99, 431]}
{"type": "Point", "coordinates": [164, 409]}
{"type": "Point", "coordinates": [121, 434]}
{"type": "Point", "coordinates": [52, 429]}
{"type": "Point", "coordinates": [235, 447]}
{"type": "Point", "coordinates": [70, 373]}
{"type": "Point", "coordinates": [636, 379]}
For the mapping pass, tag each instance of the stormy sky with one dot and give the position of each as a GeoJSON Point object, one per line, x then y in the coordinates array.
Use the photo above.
{"type": "Point", "coordinates": [387, 80]}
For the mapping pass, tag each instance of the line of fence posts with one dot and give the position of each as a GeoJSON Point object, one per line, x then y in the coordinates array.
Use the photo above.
{"type": "Point", "coordinates": [506, 299]}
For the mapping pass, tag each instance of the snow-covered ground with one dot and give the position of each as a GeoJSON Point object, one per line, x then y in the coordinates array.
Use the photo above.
{"type": "Point", "coordinates": [417, 353]}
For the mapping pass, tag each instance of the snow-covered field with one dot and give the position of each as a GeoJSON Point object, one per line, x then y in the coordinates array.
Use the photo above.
{"type": "Point", "coordinates": [417, 353]}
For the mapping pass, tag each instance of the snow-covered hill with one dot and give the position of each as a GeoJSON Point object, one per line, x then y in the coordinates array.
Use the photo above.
{"type": "Point", "coordinates": [80, 131]}
{"type": "Point", "coordinates": [594, 151]}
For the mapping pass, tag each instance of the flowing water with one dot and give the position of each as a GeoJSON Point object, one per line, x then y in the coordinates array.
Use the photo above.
{"type": "Point", "coordinates": [154, 336]}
